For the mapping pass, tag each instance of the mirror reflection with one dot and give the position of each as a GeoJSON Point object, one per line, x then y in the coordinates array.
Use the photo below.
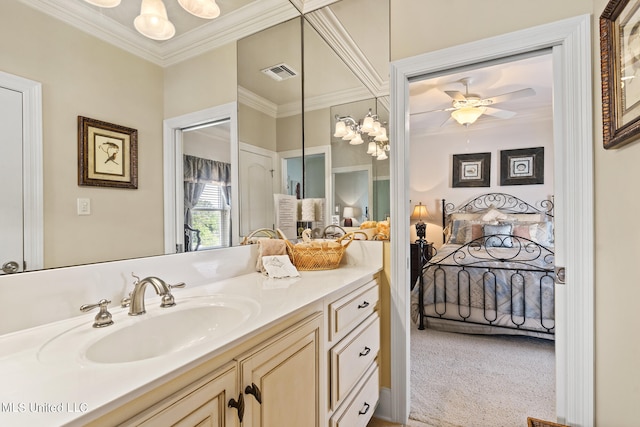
{"type": "Point", "coordinates": [272, 127]}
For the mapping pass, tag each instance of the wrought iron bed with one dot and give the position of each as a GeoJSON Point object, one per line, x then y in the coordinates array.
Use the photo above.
{"type": "Point", "coordinates": [500, 281]}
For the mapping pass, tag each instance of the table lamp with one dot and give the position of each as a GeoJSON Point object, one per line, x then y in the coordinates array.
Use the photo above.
{"type": "Point", "coordinates": [419, 212]}
{"type": "Point", "coordinates": [348, 214]}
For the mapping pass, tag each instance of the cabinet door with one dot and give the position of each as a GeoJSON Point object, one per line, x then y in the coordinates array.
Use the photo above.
{"type": "Point", "coordinates": [204, 403]}
{"type": "Point", "coordinates": [281, 380]}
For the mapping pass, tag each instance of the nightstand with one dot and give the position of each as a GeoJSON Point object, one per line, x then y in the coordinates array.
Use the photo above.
{"type": "Point", "coordinates": [415, 260]}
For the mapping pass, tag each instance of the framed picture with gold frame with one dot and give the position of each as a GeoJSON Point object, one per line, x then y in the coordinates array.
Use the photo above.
{"type": "Point", "coordinates": [107, 154]}
{"type": "Point", "coordinates": [620, 72]}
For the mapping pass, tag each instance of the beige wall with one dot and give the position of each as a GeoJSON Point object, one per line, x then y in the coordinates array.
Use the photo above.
{"type": "Point", "coordinates": [81, 75]}
{"type": "Point", "coordinates": [202, 82]}
{"type": "Point", "coordinates": [617, 291]}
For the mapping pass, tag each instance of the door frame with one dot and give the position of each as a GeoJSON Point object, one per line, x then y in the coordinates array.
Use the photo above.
{"type": "Point", "coordinates": [570, 40]}
{"type": "Point", "coordinates": [32, 169]}
{"type": "Point", "coordinates": [172, 150]}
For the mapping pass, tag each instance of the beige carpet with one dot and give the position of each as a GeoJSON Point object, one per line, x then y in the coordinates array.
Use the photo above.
{"type": "Point", "coordinates": [462, 380]}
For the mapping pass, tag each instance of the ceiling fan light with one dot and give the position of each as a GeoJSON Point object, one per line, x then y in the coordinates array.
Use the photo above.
{"type": "Point", "coordinates": [153, 21]}
{"type": "Point", "coordinates": [207, 9]}
{"type": "Point", "coordinates": [357, 140]}
{"type": "Point", "coordinates": [341, 129]}
{"type": "Point", "coordinates": [467, 115]}
{"type": "Point", "coordinates": [104, 3]}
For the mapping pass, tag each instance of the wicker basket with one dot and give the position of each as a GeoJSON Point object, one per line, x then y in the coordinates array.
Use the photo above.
{"type": "Point", "coordinates": [320, 256]}
{"type": "Point", "coordinates": [534, 422]}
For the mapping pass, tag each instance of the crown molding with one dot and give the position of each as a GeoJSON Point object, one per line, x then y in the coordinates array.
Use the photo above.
{"type": "Point", "coordinates": [255, 101]}
{"type": "Point", "coordinates": [333, 32]}
{"type": "Point", "coordinates": [228, 28]}
{"type": "Point", "coordinates": [306, 6]}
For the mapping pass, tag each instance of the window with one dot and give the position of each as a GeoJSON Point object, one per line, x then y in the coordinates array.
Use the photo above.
{"type": "Point", "coordinates": [211, 216]}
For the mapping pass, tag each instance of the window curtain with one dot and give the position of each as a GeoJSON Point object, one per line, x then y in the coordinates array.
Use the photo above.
{"type": "Point", "coordinates": [197, 173]}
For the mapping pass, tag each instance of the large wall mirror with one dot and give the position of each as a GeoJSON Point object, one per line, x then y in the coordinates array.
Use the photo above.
{"type": "Point", "coordinates": [284, 127]}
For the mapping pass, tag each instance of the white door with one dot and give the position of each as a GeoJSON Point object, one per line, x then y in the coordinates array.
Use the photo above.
{"type": "Point", "coordinates": [11, 214]}
{"type": "Point", "coordinates": [256, 191]}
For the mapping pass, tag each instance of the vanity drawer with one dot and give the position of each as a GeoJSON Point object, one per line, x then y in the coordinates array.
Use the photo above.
{"type": "Point", "coordinates": [357, 411]}
{"type": "Point", "coordinates": [348, 311]}
{"type": "Point", "coordinates": [352, 356]}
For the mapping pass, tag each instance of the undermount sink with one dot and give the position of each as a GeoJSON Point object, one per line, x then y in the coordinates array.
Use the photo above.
{"type": "Point", "coordinates": [157, 333]}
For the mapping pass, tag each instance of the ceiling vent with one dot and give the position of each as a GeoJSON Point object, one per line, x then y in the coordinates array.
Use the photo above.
{"type": "Point", "coordinates": [280, 72]}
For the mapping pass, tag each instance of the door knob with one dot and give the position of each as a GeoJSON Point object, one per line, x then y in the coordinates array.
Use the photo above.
{"type": "Point", "coordinates": [10, 267]}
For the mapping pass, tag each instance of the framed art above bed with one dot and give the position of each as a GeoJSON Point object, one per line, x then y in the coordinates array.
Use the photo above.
{"type": "Point", "coordinates": [471, 170]}
{"type": "Point", "coordinates": [522, 166]}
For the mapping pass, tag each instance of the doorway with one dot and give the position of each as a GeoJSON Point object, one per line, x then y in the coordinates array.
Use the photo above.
{"type": "Point", "coordinates": [518, 94]}
{"type": "Point", "coordinates": [570, 41]}
{"type": "Point", "coordinates": [23, 105]}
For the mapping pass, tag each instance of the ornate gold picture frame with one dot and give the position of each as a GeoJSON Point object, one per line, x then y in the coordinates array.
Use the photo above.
{"type": "Point", "coordinates": [107, 154]}
{"type": "Point", "coordinates": [620, 72]}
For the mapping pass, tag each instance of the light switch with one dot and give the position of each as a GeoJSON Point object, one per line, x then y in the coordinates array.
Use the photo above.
{"type": "Point", "coordinates": [84, 206]}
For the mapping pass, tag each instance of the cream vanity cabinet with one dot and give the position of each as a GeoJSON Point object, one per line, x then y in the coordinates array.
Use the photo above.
{"type": "Point", "coordinates": [353, 343]}
{"type": "Point", "coordinates": [274, 383]}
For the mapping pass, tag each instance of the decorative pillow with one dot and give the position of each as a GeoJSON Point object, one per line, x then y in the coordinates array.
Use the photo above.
{"type": "Point", "coordinates": [542, 233]}
{"type": "Point", "coordinates": [504, 238]}
{"type": "Point", "coordinates": [458, 233]}
{"type": "Point", "coordinates": [526, 217]}
{"type": "Point", "coordinates": [522, 230]}
{"type": "Point", "coordinates": [493, 215]}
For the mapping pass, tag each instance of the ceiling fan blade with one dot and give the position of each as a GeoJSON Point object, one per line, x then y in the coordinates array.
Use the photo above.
{"type": "Point", "coordinates": [457, 96]}
{"type": "Point", "coordinates": [446, 122]}
{"type": "Point", "coordinates": [511, 95]}
{"type": "Point", "coordinates": [432, 111]}
{"type": "Point", "coordinates": [501, 114]}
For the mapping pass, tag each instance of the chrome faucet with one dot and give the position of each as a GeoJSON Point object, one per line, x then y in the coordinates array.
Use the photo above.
{"type": "Point", "coordinates": [136, 303]}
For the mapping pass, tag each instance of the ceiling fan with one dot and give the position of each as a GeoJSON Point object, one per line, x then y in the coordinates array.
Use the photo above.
{"type": "Point", "coordinates": [468, 107]}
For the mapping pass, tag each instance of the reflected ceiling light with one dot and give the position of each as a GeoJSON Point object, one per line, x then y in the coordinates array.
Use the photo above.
{"type": "Point", "coordinates": [207, 9]}
{"type": "Point", "coordinates": [369, 127]}
{"type": "Point", "coordinates": [153, 21]}
{"type": "Point", "coordinates": [467, 115]}
{"type": "Point", "coordinates": [104, 3]}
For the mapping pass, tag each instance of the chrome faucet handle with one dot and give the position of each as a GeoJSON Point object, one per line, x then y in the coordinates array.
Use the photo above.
{"type": "Point", "coordinates": [177, 285]}
{"type": "Point", "coordinates": [103, 318]}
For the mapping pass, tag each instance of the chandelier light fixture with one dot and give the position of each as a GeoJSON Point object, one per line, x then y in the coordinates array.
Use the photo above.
{"type": "Point", "coordinates": [153, 21]}
{"type": "Point", "coordinates": [368, 128]}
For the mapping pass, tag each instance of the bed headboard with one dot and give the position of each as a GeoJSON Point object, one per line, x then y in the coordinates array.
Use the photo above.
{"type": "Point", "coordinates": [505, 203]}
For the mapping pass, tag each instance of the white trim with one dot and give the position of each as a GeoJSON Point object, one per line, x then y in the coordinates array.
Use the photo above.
{"type": "Point", "coordinates": [172, 150]}
{"type": "Point", "coordinates": [573, 145]}
{"type": "Point", "coordinates": [32, 171]}
{"type": "Point", "coordinates": [322, 149]}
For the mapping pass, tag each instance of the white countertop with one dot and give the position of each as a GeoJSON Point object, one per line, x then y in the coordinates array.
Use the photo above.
{"type": "Point", "coordinates": [72, 391]}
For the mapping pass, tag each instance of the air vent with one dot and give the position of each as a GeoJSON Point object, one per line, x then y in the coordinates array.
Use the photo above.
{"type": "Point", "coordinates": [280, 72]}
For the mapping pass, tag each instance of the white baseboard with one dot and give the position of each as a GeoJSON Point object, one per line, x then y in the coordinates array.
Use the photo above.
{"type": "Point", "coordinates": [383, 411]}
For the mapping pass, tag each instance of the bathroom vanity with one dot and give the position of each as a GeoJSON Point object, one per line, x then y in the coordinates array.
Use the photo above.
{"type": "Point", "coordinates": [274, 352]}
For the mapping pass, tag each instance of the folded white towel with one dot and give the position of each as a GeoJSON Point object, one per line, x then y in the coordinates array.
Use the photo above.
{"type": "Point", "coordinates": [277, 266]}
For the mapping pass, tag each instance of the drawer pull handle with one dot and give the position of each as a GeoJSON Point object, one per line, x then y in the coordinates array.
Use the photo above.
{"type": "Point", "coordinates": [364, 304]}
{"type": "Point", "coordinates": [255, 391]}
{"type": "Point", "coordinates": [364, 409]}
{"type": "Point", "coordinates": [364, 352]}
{"type": "Point", "coordinates": [239, 404]}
